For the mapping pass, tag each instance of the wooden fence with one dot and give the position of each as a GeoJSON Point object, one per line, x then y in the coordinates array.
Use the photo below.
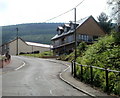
{"type": "Point", "coordinates": [107, 71]}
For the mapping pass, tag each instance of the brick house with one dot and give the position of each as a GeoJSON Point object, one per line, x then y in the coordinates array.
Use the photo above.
{"type": "Point", "coordinates": [87, 29]}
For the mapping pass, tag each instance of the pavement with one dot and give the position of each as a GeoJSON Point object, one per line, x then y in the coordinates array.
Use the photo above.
{"type": "Point", "coordinates": [14, 64]}
{"type": "Point", "coordinates": [67, 77]}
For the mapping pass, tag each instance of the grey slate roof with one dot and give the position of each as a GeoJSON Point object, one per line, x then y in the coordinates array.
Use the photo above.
{"type": "Point", "coordinates": [79, 22]}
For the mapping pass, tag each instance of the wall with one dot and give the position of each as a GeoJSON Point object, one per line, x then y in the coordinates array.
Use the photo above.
{"type": "Point", "coordinates": [90, 27]}
{"type": "Point", "coordinates": [23, 47]}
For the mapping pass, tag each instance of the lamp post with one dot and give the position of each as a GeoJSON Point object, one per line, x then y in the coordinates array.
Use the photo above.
{"type": "Point", "coordinates": [17, 42]}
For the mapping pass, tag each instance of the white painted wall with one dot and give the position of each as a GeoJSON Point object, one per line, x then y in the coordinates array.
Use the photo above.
{"type": "Point", "coordinates": [23, 47]}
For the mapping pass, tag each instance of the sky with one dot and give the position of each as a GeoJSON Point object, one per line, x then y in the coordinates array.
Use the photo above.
{"type": "Point", "coordinates": [35, 11]}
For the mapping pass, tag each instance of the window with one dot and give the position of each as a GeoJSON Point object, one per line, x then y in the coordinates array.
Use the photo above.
{"type": "Point", "coordinates": [56, 43]}
{"type": "Point", "coordinates": [95, 38]}
{"type": "Point", "coordinates": [70, 38]}
{"type": "Point", "coordinates": [67, 29]}
{"type": "Point", "coordinates": [5, 47]}
{"type": "Point", "coordinates": [83, 37]}
{"type": "Point", "coordinates": [62, 40]}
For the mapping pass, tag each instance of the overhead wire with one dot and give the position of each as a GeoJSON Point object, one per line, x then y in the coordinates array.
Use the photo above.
{"type": "Point", "coordinates": [79, 3]}
{"type": "Point", "coordinates": [65, 12]}
{"type": "Point", "coordinates": [59, 15]}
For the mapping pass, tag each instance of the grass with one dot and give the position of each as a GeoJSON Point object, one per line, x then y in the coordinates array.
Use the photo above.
{"type": "Point", "coordinates": [41, 55]}
{"type": "Point", "coordinates": [2, 58]}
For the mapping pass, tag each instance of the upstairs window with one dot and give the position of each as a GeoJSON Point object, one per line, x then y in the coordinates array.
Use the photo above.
{"type": "Point", "coordinates": [62, 40]}
{"type": "Point", "coordinates": [83, 37]}
{"type": "Point", "coordinates": [70, 38]}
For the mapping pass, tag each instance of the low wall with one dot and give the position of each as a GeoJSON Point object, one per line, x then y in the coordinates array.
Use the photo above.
{"type": "Point", "coordinates": [49, 57]}
{"type": "Point", "coordinates": [4, 63]}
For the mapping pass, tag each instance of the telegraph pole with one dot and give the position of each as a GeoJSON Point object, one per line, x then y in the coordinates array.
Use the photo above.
{"type": "Point", "coordinates": [118, 16]}
{"type": "Point", "coordinates": [75, 45]}
{"type": "Point", "coordinates": [17, 42]}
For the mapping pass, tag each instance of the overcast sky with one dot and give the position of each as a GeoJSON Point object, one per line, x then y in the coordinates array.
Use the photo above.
{"type": "Point", "coordinates": [32, 11]}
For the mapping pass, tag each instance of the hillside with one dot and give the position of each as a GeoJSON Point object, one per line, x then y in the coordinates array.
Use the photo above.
{"type": "Point", "coordinates": [35, 32]}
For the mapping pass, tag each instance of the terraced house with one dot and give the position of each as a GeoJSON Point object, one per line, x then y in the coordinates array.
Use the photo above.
{"type": "Point", "coordinates": [87, 30]}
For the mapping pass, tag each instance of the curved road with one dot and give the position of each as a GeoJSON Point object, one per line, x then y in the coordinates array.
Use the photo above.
{"type": "Point", "coordinates": [39, 77]}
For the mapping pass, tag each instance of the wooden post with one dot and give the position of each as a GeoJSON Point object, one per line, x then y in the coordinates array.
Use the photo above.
{"type": "Point", "coordinates": [2, 63]}
{"type": "Point", "coordinates": [72, 67]}
{"type": "Point", "coordinates": [75, 45]}
{"type": "Point", "coordinates": [107, 86]}
{"type": "Point", "coordinates": [91, 74]}
{"type": "Point", "coordinates": [81, 77]}
{"type": "Point", "coordinates": [17, 42]}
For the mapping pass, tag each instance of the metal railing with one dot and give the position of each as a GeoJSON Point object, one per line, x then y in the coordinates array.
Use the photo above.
{"type": "Point", "coordinates": [107, 71]}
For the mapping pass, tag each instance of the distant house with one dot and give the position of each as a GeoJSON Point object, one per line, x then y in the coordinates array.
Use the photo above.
{"type": "Point", "coordinates": [23, 47]}
{"type": "Point", "coordinates": [87, 30]}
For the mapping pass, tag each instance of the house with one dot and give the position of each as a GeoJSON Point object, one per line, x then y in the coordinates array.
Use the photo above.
{"type": "Point", "coordinates": [87, 29]}
{"type": "Point", "coordinates": [19, 46]}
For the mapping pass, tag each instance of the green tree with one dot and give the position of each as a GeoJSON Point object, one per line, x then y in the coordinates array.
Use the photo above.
{"type": "Point", "coordinates": [104, 22]}
{"type": "Point", "coordinates": [114, 9]}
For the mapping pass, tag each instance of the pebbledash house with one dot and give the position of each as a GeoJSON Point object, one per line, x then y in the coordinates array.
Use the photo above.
{"type": "Point", "coordinates": [87, 30]}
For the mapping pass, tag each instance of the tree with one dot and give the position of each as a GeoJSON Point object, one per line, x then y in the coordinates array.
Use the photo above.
{"type": "Point", "coordinates": [104, 22]}
{"type": "Point", "coordinates": [81, 48]}
{"type": "Point", "coordinates": [114, 6]}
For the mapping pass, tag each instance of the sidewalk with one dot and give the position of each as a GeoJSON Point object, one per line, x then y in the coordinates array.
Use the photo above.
{"type": "Point", "coordinates": [68, 78]}
{"type": "Point", "coordinates": [15, 63]}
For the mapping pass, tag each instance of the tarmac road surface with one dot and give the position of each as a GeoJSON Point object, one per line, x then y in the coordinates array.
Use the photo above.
{"type": "Point", "coordinates": [35, 77]}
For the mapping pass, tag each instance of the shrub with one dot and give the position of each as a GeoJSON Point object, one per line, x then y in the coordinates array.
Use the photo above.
{"type": "Point", "coordinates": [105, 54]}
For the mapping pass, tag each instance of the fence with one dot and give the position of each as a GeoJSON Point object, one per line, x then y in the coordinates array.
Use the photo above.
{"type": "Point", "coordinates": [107, 71]}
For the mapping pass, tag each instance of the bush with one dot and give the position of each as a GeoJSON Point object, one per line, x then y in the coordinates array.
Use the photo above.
{"type": "Point", "coordinates": [105, 54]}
{"type": "Point", "coordinates": [37, 54]}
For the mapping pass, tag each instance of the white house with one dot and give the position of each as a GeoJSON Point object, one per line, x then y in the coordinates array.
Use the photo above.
{"type": "Point", "coordinates": [19, 46]}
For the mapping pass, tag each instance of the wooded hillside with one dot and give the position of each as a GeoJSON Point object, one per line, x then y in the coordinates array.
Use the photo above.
{"type": "Point", "coordinates": [35, 32]}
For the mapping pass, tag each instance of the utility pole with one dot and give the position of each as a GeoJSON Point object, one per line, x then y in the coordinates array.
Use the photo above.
{"type": "Point", "coordinates": [118, 3]}
{"type": "Point", "coordinates": [17, 42]}
{"type": "Point", "coordinates": [75, 45]}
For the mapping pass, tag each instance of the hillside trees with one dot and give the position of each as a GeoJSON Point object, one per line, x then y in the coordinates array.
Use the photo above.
{"type": "Point", "coordinates": [114, 6]}
{"type": "Point", "coordinates": [35, 32]}
{"type": "Point", "coordinates": [104, 22]}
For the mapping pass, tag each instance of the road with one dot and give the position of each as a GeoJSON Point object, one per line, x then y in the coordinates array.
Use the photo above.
{"type": "Point", "coordinates": [37, 77]}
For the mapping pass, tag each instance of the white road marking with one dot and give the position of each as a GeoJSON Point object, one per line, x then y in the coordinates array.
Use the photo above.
{"type": "Point", "coordinates": [20, 66]}
{"type": "Point", "coordinates": [51, 92]}
{"type": "Point", "coordinates": [67, 65]}
{"type": "Point", "coordinates": [66, 68]}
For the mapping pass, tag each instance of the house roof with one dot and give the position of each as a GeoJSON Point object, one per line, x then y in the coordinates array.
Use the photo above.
{"type": "Point", "coordinates": [31, 43]}
{"type": "Point", "coordinates": [67, 25]}
{"type": "Point", "coordinates": [60, 27]}
{"type": "Point", "coordinates": [79, 22]}
{"type": "Point", "coordinates": [38, 44]}
{"type": "Point", "coordinates": [63, 34]}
